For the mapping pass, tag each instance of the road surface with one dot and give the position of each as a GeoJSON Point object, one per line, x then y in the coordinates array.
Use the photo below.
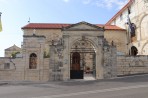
{"type": "Point", "coordinates": [127, 87]}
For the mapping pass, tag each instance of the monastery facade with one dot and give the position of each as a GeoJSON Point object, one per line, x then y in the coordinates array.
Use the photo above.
{"type": "Point", "coordinates": [77, 51]}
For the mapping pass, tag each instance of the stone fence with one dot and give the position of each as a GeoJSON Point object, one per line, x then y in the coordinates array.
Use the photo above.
{"type": "Point", "coordinates": [128, 65]}
{"type": "Point", "coordinates": [15, 69]}
{"type": "Point", "coordinates": [11, 69]}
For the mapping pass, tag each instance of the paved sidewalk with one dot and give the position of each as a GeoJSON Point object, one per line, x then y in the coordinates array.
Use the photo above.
{"type": "Point", "coordinates": [87, 79]}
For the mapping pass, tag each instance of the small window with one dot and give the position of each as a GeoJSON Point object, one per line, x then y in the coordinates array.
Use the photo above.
{"type": "Point", "coordinates": [7, 66]}
{"type": "Point", "coordinates": [121, 17]}
{"type": "Point", "coordinates": [133, 29]}
{"type": "Point", "coordinates": [129, 10]}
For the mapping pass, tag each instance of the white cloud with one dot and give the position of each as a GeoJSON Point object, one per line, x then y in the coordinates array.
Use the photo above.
{"type": "Point", "coordinates": [106, 3]}
{"type": "Point", "coordinates": [66, 0]}
{"type": "Point", "coordinates": [118, 3]}
{"type": "Point", "coordinates": [86, 1]}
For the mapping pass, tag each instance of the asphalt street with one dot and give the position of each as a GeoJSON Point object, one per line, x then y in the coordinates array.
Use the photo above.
{"type": "Point", "coordinates": [124, 87]}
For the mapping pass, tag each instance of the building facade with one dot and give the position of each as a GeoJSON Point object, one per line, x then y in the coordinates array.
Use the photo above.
{"type": "Point", "coordinates": [66, 51]}
{"type": "Point", "coordinates": [137, 10]}
{"type": "Point", "coordinates": [77, 51]}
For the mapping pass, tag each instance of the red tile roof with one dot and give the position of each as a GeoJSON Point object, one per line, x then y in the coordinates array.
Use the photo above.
{"type": "Point", "coordinates": [110, 27]}
{"type": "Point", "coordinates": [44, 26]}
{"type": "Point", "coordinates": [120, 12]}
{"type": "Point", "coordinates": [59, 26]}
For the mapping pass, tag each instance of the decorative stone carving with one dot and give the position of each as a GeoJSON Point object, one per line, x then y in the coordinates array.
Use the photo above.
{"type": "Point", "coordinates": [56, 59]}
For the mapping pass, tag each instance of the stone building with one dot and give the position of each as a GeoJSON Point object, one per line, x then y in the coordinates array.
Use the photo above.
{"type": "Point", "coordinates": [76, 51]}
{"type": "Point", "coordinates": [12, 51]}
{"type": "Point", "coordinates": [66, 51]}
{"type": "Point", "coordinates": [137, 10]}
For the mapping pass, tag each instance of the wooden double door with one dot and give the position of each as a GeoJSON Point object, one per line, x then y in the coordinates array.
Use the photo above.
{"type": "Point", "coordinates": [75, 71]}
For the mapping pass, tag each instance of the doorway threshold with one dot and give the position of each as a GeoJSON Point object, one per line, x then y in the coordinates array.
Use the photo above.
{"type": "Point", "coordinates": [89, 77]}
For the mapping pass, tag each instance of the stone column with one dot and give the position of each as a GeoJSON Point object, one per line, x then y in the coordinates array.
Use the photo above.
{"type": "Point", "coordinates": [99, 63]}
{"type": "Point", "coordinates": [66, 59]}
{"type": "Point", "coordinates": [99, 59]}
{"type": "Point", "coordinates": [114, 61]}
{"type": "Point", "coordinates": [52, 63]}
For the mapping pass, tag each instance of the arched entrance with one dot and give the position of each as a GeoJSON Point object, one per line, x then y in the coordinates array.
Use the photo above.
{"type": "Point", "coordinates": [75, 71]}
{"type": "Point", "coordinates": [134, 51]}
{"type": "Point", "coordinates": [82, 60]}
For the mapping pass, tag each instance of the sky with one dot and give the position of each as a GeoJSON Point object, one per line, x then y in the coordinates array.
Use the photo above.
{"type": "Point", "coordinates": [16, 14]}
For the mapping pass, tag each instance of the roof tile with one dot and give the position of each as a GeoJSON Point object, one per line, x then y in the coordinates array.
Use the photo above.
{"type": "Point", "coordinates": [44, 26]}
{"type": "Point", "coordinates": [59, 26]}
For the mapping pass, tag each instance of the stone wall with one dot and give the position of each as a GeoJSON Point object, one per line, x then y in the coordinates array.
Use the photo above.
{"type": "Point", "coordinates": [46, 70]}
{"type": "Point", "coordinates": [13, 71]}
{"type": "Point", "coordinates": [50, 34]}
{"type": "Point", "coordinates": [110, 62]}
{"type": "Point", "coordinates": [39, 74]}
{"type": "Point", "coordinates": [119, 38]}
{"type": "Point", "coordinates": [127, 65]}
{"type": "Point", "coordinates": [17, 71]}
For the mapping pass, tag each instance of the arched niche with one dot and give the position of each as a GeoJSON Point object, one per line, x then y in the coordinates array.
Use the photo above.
{"type": "Point", "coordinates": [33, 61]}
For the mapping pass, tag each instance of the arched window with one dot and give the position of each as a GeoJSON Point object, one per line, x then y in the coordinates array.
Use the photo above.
{"type": "Point", "coordinates": [133, 28]}
{"type": "Point", "coordinates": [134, 51]}
{"type": "Point", "coordinates": [33, 61]}
{"type": "Point", "coordinates": [144, 26]}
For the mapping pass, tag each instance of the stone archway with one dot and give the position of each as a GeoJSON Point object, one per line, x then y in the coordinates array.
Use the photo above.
{"type": "Point", "coordinates": [143, 27]}
{"type": "Point", "coordinates": [82, 59]}
{"type": "Point", "coordinates": [144, 49]}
